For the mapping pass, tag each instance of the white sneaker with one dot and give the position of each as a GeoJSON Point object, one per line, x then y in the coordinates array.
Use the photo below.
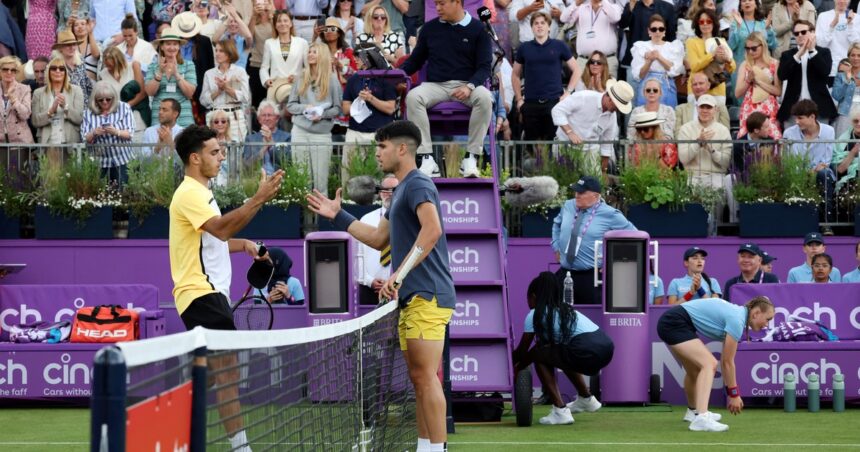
{"type": "Point", "coordinates": [690, 415]}
{"type": "Point", "coordinates": [589, 404]}
{"type": "Point", "coordinates": [469, 166]}
{"type": "Point", "coordinates": [706, 423]}
{"type": "Point", "coordinates": [557, 416]}
{"type": "Point", "coordinates": [429, 166]}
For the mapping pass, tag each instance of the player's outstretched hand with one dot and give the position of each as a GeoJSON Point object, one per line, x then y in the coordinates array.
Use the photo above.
{"type": "Point", "coordinates": [736, 405]}
{"type": "Point", "coordinates": [269, 185]}
{"type": "Point", "coordinates": [321, 205]}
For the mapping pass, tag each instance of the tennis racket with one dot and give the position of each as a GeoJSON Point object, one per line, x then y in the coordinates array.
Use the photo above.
{"type": "Point", "coordinates": [253, 312]}
{"type": "Point", "coordinates": [405, 269]}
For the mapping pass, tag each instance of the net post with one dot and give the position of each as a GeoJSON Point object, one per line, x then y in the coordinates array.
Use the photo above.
{"type": "Point", "coordinates": [446, 380]}
{"type": "Point", "coordinates": [198, 401]}
{"type": "Point", "coordinates": [107, 409]}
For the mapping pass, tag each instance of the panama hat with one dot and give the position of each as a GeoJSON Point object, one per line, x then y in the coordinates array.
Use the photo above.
{"type": "Point", "coordinates": [65, 38]}
{"type": "Point", "coordinates": [621, 94]}
{"type": "Point", "coordinates": [646, 119]}
{"type": "Point", "coordinates": [333, 22]}
{"type": "Point", "coordinates": [280, 90]}
{"type": "Point", "coordinates": [169, 34]}
{"type": "Point", "coordinates": [186, 25]}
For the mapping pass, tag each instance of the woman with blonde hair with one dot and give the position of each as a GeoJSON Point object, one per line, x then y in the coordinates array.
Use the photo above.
{"type": "Point", "coordinates": [88, 47]}
{"type": "Point", "coordinates": [652, 91]}
{"type": "Point", "coordinates": [377, 30]}
{"type": "Point", "coordinates": [757, 83]}
{"type": "Point", "coordinates": [109, 123]}
{"type": "Point", "coordinates": [845, 84]}
{"type": "Point", "coordinates": [284, 56]}
{"type": "Point", "coordinates": [596, 73]}
{"type": "Point", "coordinates": [219, 121]}
{"type": "Point", "coordinates": [314, 103]}
{"type": "Point", "coordinates": [67, 45]}
{"type": "Point", "coordinates": [58, 109]}
{"type": "Point", "coordinates": [226, 88]}
{"type": "Point", "coordinates": [15, 106]}
{"type": "Point", "coordinates": [117, 72]}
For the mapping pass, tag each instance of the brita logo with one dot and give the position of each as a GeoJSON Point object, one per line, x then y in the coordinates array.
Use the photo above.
{"type": "Point", "coordinates": [625, 321]}
{"type": "Point", "coordinates": [774, 372]}
{"type": "Point", "coordinates": [465, 206]}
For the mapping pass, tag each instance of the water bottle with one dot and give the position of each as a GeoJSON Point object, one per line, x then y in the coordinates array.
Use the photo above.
{"type": "Point", "coordinates": [814, 400]}
{"type": "Point", "coordinates": [789, 393]}
{"type": "Point", "coordinates": [839, 393]}
{"type": "Point", "coordinates": [568, 289]}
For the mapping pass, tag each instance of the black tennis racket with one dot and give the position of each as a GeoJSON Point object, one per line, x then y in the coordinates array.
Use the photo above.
{"type": "Point", "coordinates": [253, 312]}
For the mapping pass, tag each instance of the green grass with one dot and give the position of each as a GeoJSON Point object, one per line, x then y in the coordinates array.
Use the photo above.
{"type": "Point", "coordinates": [67, 429]}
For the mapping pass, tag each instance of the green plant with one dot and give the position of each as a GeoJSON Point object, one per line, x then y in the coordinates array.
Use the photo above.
{"type": "Point", "coordinates": [780, 178]}
{"type": "Point", "coordinates": [151, 183]}
{"type": "Point", "coordinates": [15, 194]}
{"type": "Point", "coordinates": [75, 189]}
{"type": "Point", "coordinates": [361, 162]}
{"type": "Point", "coordinates": [566, 165]}
{"type": "Point", "coordinates": [650, 183]}
{"type": "Point", "coordinates": [294, 187]}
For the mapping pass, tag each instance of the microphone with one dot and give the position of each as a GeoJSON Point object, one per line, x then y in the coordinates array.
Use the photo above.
{"type": "Point", "coordinates": [361, 190]}
{"type": "Point", "coordinates": [525, 191]}
{"type": "Point", "coordinates": [484, 14]}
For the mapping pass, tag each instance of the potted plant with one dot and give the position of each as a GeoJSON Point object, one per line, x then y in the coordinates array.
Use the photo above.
{"type": "Point", "coordinates": [74, 201]}
{"type": "Point", "coordinates": [15, 203]}
{"type": "Point", "coordinates": [361, 162]}
{"type": "Point", "coordinates": [660, 200]}
{"type": "Point", "coordinates": [147, 195]}
{"type": "Point", "coordinates": [777, 187]}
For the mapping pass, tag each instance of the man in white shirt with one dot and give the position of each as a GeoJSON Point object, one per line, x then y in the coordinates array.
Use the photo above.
{"type": "Point", "coordinates": [837, 30]}
{"type": "Point", "coordinates": [523, 10]}
{"type": "Point", "coordinates": [706, 159]}
{"type": "Point", "coordinates": [596, 24]}
{"type": "Point", "coordinates": [590, 116]}
{"type": "Point", "coordinates": [377, 264]}
{"type": "Point", "coordinates": [161, 135]}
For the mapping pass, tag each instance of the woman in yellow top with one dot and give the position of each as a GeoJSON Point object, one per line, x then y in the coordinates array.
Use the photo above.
{"type": "Point", "coordinates": [705, 24]}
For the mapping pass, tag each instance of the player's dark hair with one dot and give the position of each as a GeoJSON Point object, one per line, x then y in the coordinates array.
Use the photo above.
{"type": "Point", "coordinates": [191, 140]}
{"type": "Point", "coordinates": [400, 132]}
{"type": "Point", "coordinates": [549, 305]}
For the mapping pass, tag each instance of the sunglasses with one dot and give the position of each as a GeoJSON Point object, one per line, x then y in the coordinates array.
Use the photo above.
{"type": "Point", "coordinates": [595, 62]}
{"type": "Point", "coordinates": [104, 99]}
{"type": "Point", "coordinates": [58, 69]}
{"type": "Point", "coordinates": [10, 69]}
{"type": "Point", "coordinates": [375, 17]}
{"type": "Point", "coordinates": [801, 32]}
{"type": "Point", "coordinates": [220, 121]}
{"type": "Point", "coordinates": [652, 90]}
{"type": "Point", "coordinates": [706, 22]}
{"type": "Point", "coordinates": [752, 48]}
{"type": "Point", "coordinates": [657, 29]}
{"type": "Point", "coordinates": [646, 129]}
{"type": "Point", "coordinates": [331, 29]}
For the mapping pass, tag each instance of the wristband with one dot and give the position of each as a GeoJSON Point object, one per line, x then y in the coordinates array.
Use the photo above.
{"type": "Point", "coordinates": [701, 292]}
{"type": "Point", "coordinates": [343, 219]}
{"type": "Point", "coordinates": [733, 392]}
{"type": "Point", "coordinates": [688, 296]}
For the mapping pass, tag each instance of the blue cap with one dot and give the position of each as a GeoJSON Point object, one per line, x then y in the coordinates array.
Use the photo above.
{"type": "Point", "coordinates": [813, 237]}
{"type": "Point", "coordinates": [767, 258]}
{"type": "Point", "coordinates": [586, 183]}
{"type": "Point", "coordinates": [750, 248]}
{"type": "Point", "coordinates": [693, 251]}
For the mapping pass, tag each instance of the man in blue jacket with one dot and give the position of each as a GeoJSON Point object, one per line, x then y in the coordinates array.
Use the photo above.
{"type": "Point", "coordinates": [458, 54]}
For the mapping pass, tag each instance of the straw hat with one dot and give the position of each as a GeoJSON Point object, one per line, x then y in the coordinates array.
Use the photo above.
{"type": "Point", "coordinates": [333, 22]}
{"type": "Point", "coordinates": [169, 34]}
{"type": "Point", "coordinates": [646, 119]}
{"type": "Point", "coordinates": [186, 25]}
{"type": "Point", "coordinates": [759, 95]}
{"type": "Point", "coordinates": [280, 90]}
{"type": "Point", "coordinates": [621, 94]}
{"type": "Point", "coordinates": [65, 38]}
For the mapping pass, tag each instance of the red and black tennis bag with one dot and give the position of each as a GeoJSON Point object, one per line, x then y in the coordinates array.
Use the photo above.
{"type": "Point", "coordinates": [105, 323]}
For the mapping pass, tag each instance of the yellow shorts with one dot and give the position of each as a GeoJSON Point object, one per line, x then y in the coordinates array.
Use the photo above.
{"type": "Point", "coordinates": [422, 319]}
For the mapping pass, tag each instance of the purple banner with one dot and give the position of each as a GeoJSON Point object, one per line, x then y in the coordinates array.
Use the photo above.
{"type": "Point", "coordinates": [43, 371]}
{"type": "Point", "coordinates": [480, 367]}
{"type": "Point", "coordinates": [478, 314]}
{"type": "Point", "coordinates": [53, 303]}
{"type": "Point", "coordinates": [474, 258]}
{"type": "Point", "coordinates": [468, 209]}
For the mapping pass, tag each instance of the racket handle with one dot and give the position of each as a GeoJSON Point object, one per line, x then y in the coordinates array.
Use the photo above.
{"type": "Point", "coordinates": [404, 270]}
{"type": "Point", "coordinates": [261, 249]}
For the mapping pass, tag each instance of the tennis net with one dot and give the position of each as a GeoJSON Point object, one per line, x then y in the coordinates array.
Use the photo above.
{"type": "Point", "coordinates": [342, 386]}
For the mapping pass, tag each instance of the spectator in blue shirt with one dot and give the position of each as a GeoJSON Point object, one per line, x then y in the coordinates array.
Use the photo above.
{"type": "Point", "coordinates": [854, 275]}
{"type": "Point", "coordinates": [750, 263]}
{"type": "Point", "coordinates": [822, 266]}
{"type": "Point", "coordinates": [379, 96]}
{"type": "Point", "coordinates": [813, 244]}
{"type": "Point", "coordinates": [273, 149]}
{"type": "Point", "coordinates": [656, 290]}
{"type": "Point", "coordinates": [696, 283]}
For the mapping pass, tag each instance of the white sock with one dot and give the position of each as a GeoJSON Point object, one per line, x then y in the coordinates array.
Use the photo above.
{"type": "Point", "coordinates": [423, 445]}
{"type": "Point", "coordinates": [239, 440]}
{"type": "Point", "coordinates": [437, 447]}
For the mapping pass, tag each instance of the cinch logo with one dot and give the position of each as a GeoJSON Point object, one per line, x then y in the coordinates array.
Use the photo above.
{"type": "Point", "coordinates": [19, 316]}
{"type": "Point", "coordinates": [98, 334]}
{"type": "Point", "coordinates": [466, 206]}
{"type": "Point", "coordinates": [465, 256]}
{"type": "Point", "coordinates": [467, 309]}
{"type": "Point", "coordinates": [464, 364]}
{"type": "Point", "coordinates": [774, 373]}
{"type": "Point", "coordinates": [625, 321]}
{"type": "Point", "coordinates": [817, 312]}
{"type": "Point", "coordinates": [855, 321]}
{"type": "Point", "coordinates": [662, 359]}
{"type": "Point", "coordinates": [66, 373]}
{"type": "Point", "coordinates": [9, 368]}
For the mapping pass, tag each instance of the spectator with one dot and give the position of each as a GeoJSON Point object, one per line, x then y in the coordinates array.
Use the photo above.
{"type": "Point", "coordinates": [582, 221]}
{"type": "Point", "coordinates": [813, 244]}
{"type": "Point", "coordinates": [844, 85]}
{"type": "Point", "coordinates": [262, 29]}
{"type": "Point", "coordinates": [197, 49]}
{"type": "Point", "coordinates": [799, 67]}
{"type": "Point", "coordinates": [854, 275]}
{"type": "Point", "coordinates": [226, 88]}
{"type": "Point", "coordinates": [822, 267]}
{"type": "Point", "coordinates": [394, 9]}
{"type": "Point", "coordinates": [11, 39]}
{"type": "Point", "coordinates": [66, 9]}
{"type": "Point", "coordinates": [159, 137]}
{"type": "Point", "coordinates": [88, 47]}
{"type": "Point", "coordinates": [658, 60]}
{"type": "Point", "coordinates": [750, 264]}
{"type": "Point", "coordinates": [590, 116]}
{"type": "Point", "coordinates": [67, 45]}
{"type": "Point", "coordinates": [656, 290]}
{"type": "Point", "coordinates": [455, 71]}
{"type": "Point", "coordinates": [171, 76]}
{"type": "Point", "coordinates": [314, 103]}
{"type": "Point", "coordinates": [783, 15]}
{"type": "Point", "coordinates": [596, 73]}
{"type": "Point", "coordinates": [132, 46]}
{"type": "Point", "coordinates": [344, 12]}
{"type": "Point", "coordinates": [282, 287]}
{"type": "Point", "coordinates": [41, 26]}
{"type": "Point", "coordinates": [836, 31]}
{"type": "Point", "coordinates": [652, 90]}
{"type": "Point", "coordinates": [685, 24]}
{"type": "Point", "coordinates": [16, 107]}
{"type": "Point", "coordinates": [109, 124]}
{"type": "Point", "coordinates": [58, 110]}
{"type": "Point", "coordinates": [648, 128]}
{"type": "Point", "coordinates": [236, 30]}
{"type": "Point", "coordinates": [40, 68]}
{"type": "Point", "coordinates": [273, 151]}
{"type": "Point", "coordinates": [343, 60]}
{"type": "Point", "coordinates": [845, 154]}
{"type": "Point", "coordinates": [704, 155]}
{"type": "Point", "coordinates": [163, 11]}
{"type": "Point", "coordinates": [762, 142]}
{"type": "Point", "coordinates": [379, 96]}
{"type": "Point", "coordinates": [711, 53]}
{"type": "Point", "coordinates": [304, 14]}
{"type": "Point", "coordinates": [108, 15]}
{"type": "Point", "coordinates": [284, 56]}
{"type": "Point", "coordinates": [757, 83]}
{"type": "Point", "coordinates": [749, 20]}
{"type": "Point", "coordinates": [203, 10]}
{"type": "Point", "coordinates": [596, 24]}
{"type": "Point", "coordinates": [379, 32]}
{"type": "Point", "coordinates": [696, 283]}
{"type": "Point", "coordinates": [543, 59]}
{"type": "Point", "coordinates": [118, 73]}
{"type": "Point", "coordinates": [637, 17]}
{"type": "Point", "coordinates": [377, 263]}
{"type": "Point", "coordinates": [815, 141]}
{"type": "Point", "coordinates": [524, 9]}
{"type": "Point", "coordinates": [687, 112]}
{"type": "Point", "coordinates": [219, 121]}
{"type": "Point", "coordinates": [767, 262]}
